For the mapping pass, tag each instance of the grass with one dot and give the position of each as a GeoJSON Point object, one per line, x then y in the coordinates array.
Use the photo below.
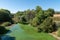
{"type": "Point", "coordinates": [34, 35]}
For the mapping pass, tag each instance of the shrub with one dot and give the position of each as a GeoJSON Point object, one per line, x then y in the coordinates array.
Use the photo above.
{"type": "Point", "coordinates": [47, 26]}
{"type": "Point", "coordinates": [34, 22]}
{"type": "Point", "coordinates": [5, 15]}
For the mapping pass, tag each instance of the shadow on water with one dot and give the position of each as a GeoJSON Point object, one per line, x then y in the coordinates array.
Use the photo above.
{"type": "Point", "coordinates": [9, 31]}
{"type": "Point", "coordinates": [7, 37]}
{"type": "Point", "coordinates": [3, 30]}
{"type": "Point", "coordinates": [4, 34]}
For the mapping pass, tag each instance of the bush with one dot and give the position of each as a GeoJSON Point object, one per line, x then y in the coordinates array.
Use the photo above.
{"type": "Point", "coordinates": [34, 22]}
{"type": "Point", "coordinates": [47, 26]}
{"type": "Point", "coordinates": [5, 15]}
{"type": "Point", "coordinates": [6, 24]}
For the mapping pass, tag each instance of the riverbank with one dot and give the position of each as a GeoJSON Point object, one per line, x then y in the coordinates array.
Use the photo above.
{"type": "Point", "coordinates": [25, 32]}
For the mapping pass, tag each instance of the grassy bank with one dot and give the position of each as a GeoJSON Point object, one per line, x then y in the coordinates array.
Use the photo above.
{"type": "Point", "coordinates": [32, 33]}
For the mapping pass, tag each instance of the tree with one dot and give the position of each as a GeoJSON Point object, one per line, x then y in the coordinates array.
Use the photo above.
{"type": "Point", "coordinates": [47, 25]}
{"type": "Point", "coordinates": [23, 20]}
{"type": "Point", "coordinates": [5, 15]}
{"type": "Point", "coordinates": [40, 15]}
{"type": "Point", "coordinates": [49, 12]}
{"type": "Point", "coordinates": [35, 22]}
{"type": "Point", "coordinates": [30, 14]}
{"type": "Point", "coordinates": [38, 8]}
{"type": "Point", "coordinates": [19, 13]}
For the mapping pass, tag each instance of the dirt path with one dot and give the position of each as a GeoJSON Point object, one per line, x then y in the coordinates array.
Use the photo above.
{"type": "Point", "coordinates": [58, 38]}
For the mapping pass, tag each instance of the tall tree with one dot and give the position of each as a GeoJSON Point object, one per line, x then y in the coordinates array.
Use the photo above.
{"type": "Point", "coordinates": [49, 12]}
{"type": "Point", "coordinates": [5, 15]}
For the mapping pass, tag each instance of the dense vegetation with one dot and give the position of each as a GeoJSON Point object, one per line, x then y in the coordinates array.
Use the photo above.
{"type": "Point", "coordinates": [5, 16]}
{"type": "Point", "coordinates": [42, 19]}
{"type": "Point", "coordinates": [35, 17]}
{"type": "Point", "coordinates": [5, 20]}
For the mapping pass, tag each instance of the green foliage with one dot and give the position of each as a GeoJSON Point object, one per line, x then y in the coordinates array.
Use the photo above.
{"type": "Point", "coordinates": [5, 16]}
{"type": "Point", "coordinates": [49, 12]}
{"type": "Point", "coordinates": [23, 20]}
{"type": "Point", "coordinates": [41, 16]}
{"type": "Point", "coordinates": [38, 8]}
{"type": "Point", "coordinates": [26, 16]}
{"type": "Point", "coordinates": [47, 25]}
{"type": "Point", "coordinates": [19, 13]}
{"type": "Point", "coordinates": [37, 17]}
{"type": "Point", "coordinates": [35, 22]}
{"type": "Point", "coordinates": [29, 15]}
